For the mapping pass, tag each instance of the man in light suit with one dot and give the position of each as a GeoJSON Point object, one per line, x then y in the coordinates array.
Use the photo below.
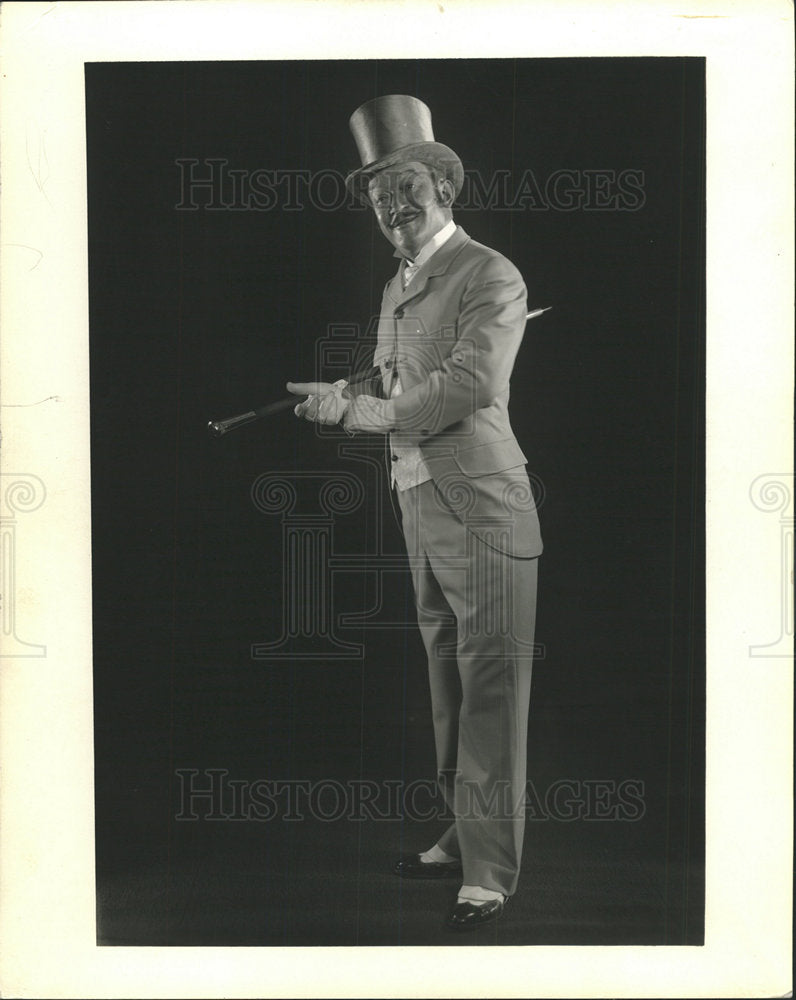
{"type": "Point", "coordinates": [451, 323]}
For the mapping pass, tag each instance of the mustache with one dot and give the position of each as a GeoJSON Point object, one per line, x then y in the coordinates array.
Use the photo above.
{"type": "Point", "coordinates": [399, 220]}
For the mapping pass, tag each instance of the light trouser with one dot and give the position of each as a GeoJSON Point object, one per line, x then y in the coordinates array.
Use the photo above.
{"type": "Point", "coordinates": [476, 608]}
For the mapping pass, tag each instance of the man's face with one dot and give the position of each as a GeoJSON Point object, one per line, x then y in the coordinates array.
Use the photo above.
{"type": "Point", "coordinates": [405, 200]}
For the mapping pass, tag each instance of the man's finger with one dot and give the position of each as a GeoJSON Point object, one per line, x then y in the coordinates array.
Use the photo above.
{"type": "Point", "coordinates": [309, 388]}
{"type": "Point", "coordinates": [311, 408]}
{"type": "Point", "coordinates": [301, 408]}
{"type": "Point", "coordinates": [327, 411]}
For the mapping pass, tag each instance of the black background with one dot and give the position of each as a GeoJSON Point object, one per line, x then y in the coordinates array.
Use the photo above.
{"type": "Point", "coordinates": [199, 315]}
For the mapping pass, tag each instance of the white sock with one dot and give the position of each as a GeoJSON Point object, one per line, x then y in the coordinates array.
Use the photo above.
{"type": "Point", "coordinates": [436, 853]}
{"type": "Point", "coordinates": [478, 894]}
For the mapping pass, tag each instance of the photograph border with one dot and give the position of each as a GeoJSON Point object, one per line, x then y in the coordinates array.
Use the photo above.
{"type": "Point", "coordinates": [47, 907]}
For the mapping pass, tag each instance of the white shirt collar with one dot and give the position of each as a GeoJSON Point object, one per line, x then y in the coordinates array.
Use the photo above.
{"type": "Point", "coordinates": [436, 241]}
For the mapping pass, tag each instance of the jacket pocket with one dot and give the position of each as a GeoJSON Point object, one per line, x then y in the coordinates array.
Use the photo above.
{"type": "Point", "coordinates": [486, 459]}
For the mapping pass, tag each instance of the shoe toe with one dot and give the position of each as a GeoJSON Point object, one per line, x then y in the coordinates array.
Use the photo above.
{"type": "Point", "coordinates": [410, 866]}
{"type": "Point", "coordinates": [467, 916]}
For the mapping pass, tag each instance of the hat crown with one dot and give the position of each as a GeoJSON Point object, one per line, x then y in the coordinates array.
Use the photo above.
{"type": "Point", "coordinates": [392, 129]}
{"type": "Point", "coordinates": [386, 124]}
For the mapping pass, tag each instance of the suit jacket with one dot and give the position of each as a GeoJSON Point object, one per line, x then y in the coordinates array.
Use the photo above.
{"type": "Point", "coordinates": [454, 334]}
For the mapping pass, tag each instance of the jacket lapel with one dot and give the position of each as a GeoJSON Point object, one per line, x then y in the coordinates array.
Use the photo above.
{"type": "Point", "coordinates": [436, 265]}
{"type": "Point", "coordinates": [394, 289]}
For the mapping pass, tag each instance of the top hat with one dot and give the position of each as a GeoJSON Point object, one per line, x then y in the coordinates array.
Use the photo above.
{"type": "Point", "coordinates": [393, 129]}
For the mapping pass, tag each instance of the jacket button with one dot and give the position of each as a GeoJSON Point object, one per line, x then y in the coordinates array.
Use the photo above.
{"type": "Point", "coordinates": [388, 364]}
{"type": "Point", "coordinates": [394, 458]}
{"type": "Point", "coordinates": [399, 313]}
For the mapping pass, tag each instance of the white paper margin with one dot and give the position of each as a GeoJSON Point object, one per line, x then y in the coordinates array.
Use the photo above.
{"type": "Point", "coordinates": [47, 861]}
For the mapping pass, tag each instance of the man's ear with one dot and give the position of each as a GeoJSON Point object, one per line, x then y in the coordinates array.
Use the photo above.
{"type": "Point", "coordinates": [445, 192]}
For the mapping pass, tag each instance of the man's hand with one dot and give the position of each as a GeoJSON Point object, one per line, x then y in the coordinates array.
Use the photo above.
{"type": "Point", "coordinates": [324, 404]}
{"type": "Point", "coordinates": [367, 413]}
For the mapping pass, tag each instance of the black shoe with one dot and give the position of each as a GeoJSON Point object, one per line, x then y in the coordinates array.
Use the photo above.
{"type": "Point", "coordinates": [410, 866]}
{"type": "Point", "coordinates": [468, 916]}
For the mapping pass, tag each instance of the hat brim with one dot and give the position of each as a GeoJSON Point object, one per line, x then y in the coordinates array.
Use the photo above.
{"type": "Point", "coordinates": [434, 154]}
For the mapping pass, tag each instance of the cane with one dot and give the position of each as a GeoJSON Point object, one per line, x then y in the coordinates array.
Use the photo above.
{"type": "Point", "coordinates": [218, 428]}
